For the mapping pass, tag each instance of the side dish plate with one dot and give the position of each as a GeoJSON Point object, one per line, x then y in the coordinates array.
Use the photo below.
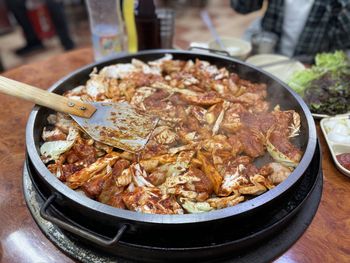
{"type": "Point", "coordinates": [336, 147]}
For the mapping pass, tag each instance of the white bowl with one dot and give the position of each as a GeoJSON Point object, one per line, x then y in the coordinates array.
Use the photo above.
{"type": "Point", "coordinates": [236, 47]}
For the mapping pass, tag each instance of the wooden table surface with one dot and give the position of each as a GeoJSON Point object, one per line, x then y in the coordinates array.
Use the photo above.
{"type": "Point", "coordinates": [326, 240]}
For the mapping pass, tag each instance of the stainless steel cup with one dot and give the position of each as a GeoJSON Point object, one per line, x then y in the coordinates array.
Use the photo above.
{"type": "Point", "coordinates": [166, 17]}
{"type": "Point", "coordinates": [264, 42]}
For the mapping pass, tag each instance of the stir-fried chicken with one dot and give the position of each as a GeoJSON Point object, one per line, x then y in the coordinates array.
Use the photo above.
{"type": "Point", "coordinates": [275, 172]}
{"type": "Point", "coordinates": [151, 200]}
{"type": "Point", "coordinates": [252, 142]}
{"type": "Point", "coordinates": [212, 127]}
{"type": "Point", "coordinates": [79, 178]}
{"type": "Point", "coordinates": [281, 149]}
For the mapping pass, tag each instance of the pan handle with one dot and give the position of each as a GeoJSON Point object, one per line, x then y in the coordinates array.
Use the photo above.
{"type": "Point", "coordinates": [78, 231]}
{"type": "Point", "coordinates": [45, 98]}
{"type": "Point", "coordinates": [220, 52]}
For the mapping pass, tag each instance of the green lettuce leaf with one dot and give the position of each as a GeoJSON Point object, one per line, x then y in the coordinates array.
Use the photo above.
{"type": "Point", "coordinates": [300, 80]}
{"type": "Point", "coordinates": [331, 61]}
{"type": "Point", "coordinates": [334, 63]}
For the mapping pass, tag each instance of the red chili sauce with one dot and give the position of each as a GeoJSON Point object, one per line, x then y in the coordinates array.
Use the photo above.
{"type": "Point", "coordinates": [344, 160]}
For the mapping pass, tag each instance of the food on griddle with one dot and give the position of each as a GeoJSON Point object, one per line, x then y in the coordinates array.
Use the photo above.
{"type": "Point", "coordinates": [325, 87]}
{"type": "Point", "coordinates": [203, 155]}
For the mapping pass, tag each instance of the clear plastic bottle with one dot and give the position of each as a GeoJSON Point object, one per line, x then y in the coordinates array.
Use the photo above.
{"type": "Point", "coordinates": [106, 27]}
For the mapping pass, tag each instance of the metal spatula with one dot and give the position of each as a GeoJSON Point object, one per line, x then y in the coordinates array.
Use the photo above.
{"type": "Point", "coordinates": [117, 124]}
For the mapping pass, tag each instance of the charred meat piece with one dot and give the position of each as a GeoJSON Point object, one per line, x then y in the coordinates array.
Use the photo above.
{"type": "Point", "coordinates": [116, 200]}
{"type": "Point", "coordinates": [206, 99]}
{"type": "Point", "coordinates": [93, 186]}
{"type": "Point", "coordinates": [252, 142]}
{"type": "Point", "coordinates": [156, 100]}
{"type": "Point", "coordinates": [111, 194]}
{"type": "Point", "coordinates": [157, 177]}
{"type": "Point", "coordinates": [262, 122]}
{"type": "Point", "coordinates": [80, 151]}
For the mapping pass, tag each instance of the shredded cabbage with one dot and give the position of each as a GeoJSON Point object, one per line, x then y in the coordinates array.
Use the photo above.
{"type": "Point", "coordinates": [52, 150]}
{"type": "Point", "coordinates": [195, 207]}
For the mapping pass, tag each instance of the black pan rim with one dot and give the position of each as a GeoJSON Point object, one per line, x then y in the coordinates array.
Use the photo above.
{"type": "Point", "coordinates": [246, 206]}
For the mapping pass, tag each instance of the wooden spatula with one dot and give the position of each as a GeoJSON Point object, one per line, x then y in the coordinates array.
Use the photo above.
{"type": "Point", "coordinates": [117, 124]}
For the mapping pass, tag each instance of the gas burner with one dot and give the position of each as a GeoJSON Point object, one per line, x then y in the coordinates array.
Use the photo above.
{"type": "Point", "coordinates": [258, 239]}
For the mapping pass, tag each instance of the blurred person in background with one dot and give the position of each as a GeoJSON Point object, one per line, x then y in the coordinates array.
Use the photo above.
{"type": "Point", "coordinates": [303, 27]}
{"type": "Point", "coordinates": [33, 42]}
